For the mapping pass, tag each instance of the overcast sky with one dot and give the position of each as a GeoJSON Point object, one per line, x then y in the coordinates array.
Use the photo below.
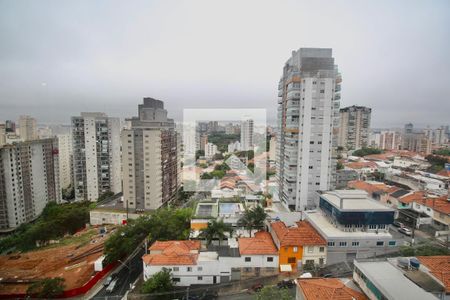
{"type": "Point", "coordinates": [58, 58]}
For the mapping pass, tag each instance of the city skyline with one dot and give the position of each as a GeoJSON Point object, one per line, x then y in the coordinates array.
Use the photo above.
{"type": "Point", "coordinates": [70, 61]}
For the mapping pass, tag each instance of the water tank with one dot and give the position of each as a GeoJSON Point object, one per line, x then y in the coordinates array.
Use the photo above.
{"type": "Point", "coordinates": [415, 263]}
{"type": "Point", "coordinates": [403, 262]}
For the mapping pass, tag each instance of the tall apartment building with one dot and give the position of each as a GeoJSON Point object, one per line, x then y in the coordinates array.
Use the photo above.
{"type": "Point", "coordinates": [308, 112]}
{"type": "Point", "coordinates": [210, 150]}
{"type": "Point", "coordinates": [415, 141]}
{"type": "Point", "coordinates": [354, 127]}
{"type": "Point", "coordinates": [390, 140]}
{"type": "Point", "coordinates": [2, 134]}
{"type": "Point", "coordinates": [28, 128]}
{"type": "Point", "coordinates": [150, 160]}
{"type": "Point", "coordinates": [247, 134]}
{"type": "Point", "coordinates": [96, 155]}
{"type": "Point", "coordinates": [28, 181]}
{"type": "Point", "coordinates": [65, 160]}
{"type": "Point", "coordinates": [10, 126]}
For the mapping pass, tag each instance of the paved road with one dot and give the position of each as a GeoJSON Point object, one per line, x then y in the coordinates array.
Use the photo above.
{"type": "Point", "coordinates": [127, 275]}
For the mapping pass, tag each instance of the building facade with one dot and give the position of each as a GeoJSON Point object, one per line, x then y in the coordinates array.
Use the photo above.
{"type": "Point", "coordinates": [308, 115]}
{"type": "Point", "coordinates": [247, 134]}
{"type": "Point", "coordinates": [96, 155]}
{"type": "Point", "coordinates": [28, 181]}
{"type": "Point", "coordinates": [28, 128]}
{"type": "Point", "coordinates": [65, 160]}
{"type": "Point", "coordinates": [354, 127]}
{"type": "Point", "coordinates": [150, 158]}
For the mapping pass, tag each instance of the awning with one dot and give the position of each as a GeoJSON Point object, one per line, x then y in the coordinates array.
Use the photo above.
{"type": "Point", "coordinates": [286, 268]}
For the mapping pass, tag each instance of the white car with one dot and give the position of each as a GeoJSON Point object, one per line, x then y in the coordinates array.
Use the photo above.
{"type": "Point", "coordinates": [405, 231]}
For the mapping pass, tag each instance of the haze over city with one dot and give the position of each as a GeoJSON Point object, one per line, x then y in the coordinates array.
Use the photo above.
{"type": "Point", "coordinates": [63, 57]}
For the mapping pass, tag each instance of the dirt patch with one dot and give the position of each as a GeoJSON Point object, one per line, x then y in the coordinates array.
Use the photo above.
{"type": "Point", "coordinates": [73, 262]}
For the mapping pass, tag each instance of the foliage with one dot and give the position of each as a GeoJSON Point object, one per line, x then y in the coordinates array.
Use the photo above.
{"type": "Point", "coordinates": [216, 229]}
{"type": "Point", "coordinates": [105, 196]}
{"type": "Point", "coordinates": [206, 176]}
{"type": "Point", "coordinates": [199, 153]}
{"type": "Point", "coordinates": [218, 174]}
{"type": "Point", "coordinates": [164, 224]}
{"type": "Point", "coordinates": [249, 154]}
{"type": "Point", "coordinates": [218, 156]}
{"type": "Point", "coordinates": [367, 151]}
{"type": "Point", "coordinates": [203, 166]}
{"type": "Point", "coordinates": [68, 193]}
{"type": "Point", "coordinates": [423, 250]}
{"type": "Point", "coordinates": [253, 218]}
{"type": "Point", "coordinates": [339, 166]}
{"type": "Point", "coordinates": [159, 283]}
{"type": "Point", "coordinates": [443, 152]}
{"type": "Point", "coordinates": [271, 293]}
{"type": "Point", "coordinates": [269, 173]}
{"type": "Point", "coordinates": [222, 167]}
{"type": "Point", "coordinates": [55, 221]}
{"type": "Point", "coordinates": [378, 176]}
{"type": "Point", "coordinates": [47, 288]}
{"type": "Point", "coordinates": [221, 140]}
{"type": "Point", "coordinates": [182, 195]}
{"type": "Point", "coordinates": [251, 167]}
{"type": "Point", "coordinates": [437, 162]}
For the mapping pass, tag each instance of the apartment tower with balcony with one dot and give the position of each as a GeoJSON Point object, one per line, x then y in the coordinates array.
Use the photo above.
{"type": "Point", "coordinates": [96, 155]}
{"type": "Point", "coordinates": [150, 158]}
{"type": "Point", "coordinates": [354, 127]}
{"type": "Point", "coordinates": [308, 115]}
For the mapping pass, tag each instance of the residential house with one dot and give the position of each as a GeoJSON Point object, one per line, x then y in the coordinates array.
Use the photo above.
{"type": "Point", "coordinates": [327, 289]}
{"type": "Point", "coordinates": [298, 245]}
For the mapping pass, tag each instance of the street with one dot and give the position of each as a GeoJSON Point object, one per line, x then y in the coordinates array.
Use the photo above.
{"type": "Point", "coordinates": [127, 275]}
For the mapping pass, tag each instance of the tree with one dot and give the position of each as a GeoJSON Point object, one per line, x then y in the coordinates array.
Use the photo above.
{"type": "Point", "coordinates": [206, 176]}
{"type": "Point", "coordinates": [367, 151]}
{"type": "Point", "coordinates": [271, 293]}
{"type": "Point", "coordinates": [426, 249]}
{"type": "Point", "coordinates": [159, 283]}
{"type": "Point", "coordinates": [216, 229]}
{"type": "Point", "coordinates": [253, 219]}
{"type": "Point", "coordinates": [339, 166]}
{"type": "Point", "coordinates": [47, 288]}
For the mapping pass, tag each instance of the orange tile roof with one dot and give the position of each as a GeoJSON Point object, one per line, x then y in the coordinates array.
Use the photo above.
{"type": "Point", "coordinates": [260, 244]}
{"type": "Point", "coordinates": [439, 204]}
{"type": "Point", "coordinates": [439, 266]}
{"type": "Point", "coordinates": [327, 289]}
{"type": "Point", "coordinates": [173, 253]}
{"type": "Point", "coordinates": [303, 234]}
{"type": "Point", "coordinates": [381, 156]}
{"type": "Point", "coordinates": [371, 187]}
{"type": "Point", "coordinates": [445, 173]}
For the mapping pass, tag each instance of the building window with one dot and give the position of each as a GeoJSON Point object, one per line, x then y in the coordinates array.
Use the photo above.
{"type": "Point", "coordinates": [270, 259]}
{"type": "Point", "coordinates": [342, 244]}
{"type": "Point", "coordinates": [392, 243]}
{"type": "Point", "coordinates": [176, 279]}
{"type": "Point", "coordinates": [355, 244]}
{"type": "Point", "coordinates": [200, 269]}
{"type": "Point", "coordinates": [189, 269]}
{"type": "Point", "coordinates": [291, 260]}
{"type": "Point", "coordinates": [372, 226]}
{"type": "Point", "coordinates": [330, 244]}
{"type": "Point", "coordinates": [380, 243]}
{"type": "Point", "coordinates": [381, 226]}
{"type": "Point", "coordinates": [310, 249]}
{"type": "Point", "coordinates": [295, 249]}
{"type": "Point", "coordinates": [321, 261]}
{"type": "Point", "coordinates": [248, 259]}
{"type": "Point", "coordinates": [176, 269]}
{"type": "Point", "coordinates": [321, 249]}
{"type": "Point", "coordinates": [199, 277]}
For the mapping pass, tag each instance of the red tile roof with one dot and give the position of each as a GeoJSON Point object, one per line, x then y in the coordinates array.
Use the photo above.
{"type": "Point", "coordinates": [445, 173]}
{"type": "Point", "coordinates": [173, 253]}
{"type": "Point", "coordinates": [371, 187]}
{"type": "Point", "coordinates": [439, 204]}
{"type": "Point", "coordinates": [439, 266]}
{"type": "Point", "coordinates": [302, 234]}
{"type": "Point", "coordinates": [261, 244]}
{"type": "Point", "coordinates": [327, 289]}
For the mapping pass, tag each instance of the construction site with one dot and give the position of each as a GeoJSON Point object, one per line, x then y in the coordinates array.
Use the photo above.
{"type": "Point", "coordinates": [72, 258]}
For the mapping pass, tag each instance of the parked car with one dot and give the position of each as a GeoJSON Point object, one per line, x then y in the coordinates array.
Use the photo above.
{"type": "Point", "coordinates": [286, 283]}
{"type": "Point", "coordinates": [107, 281]}
{"type": "Point", "coordinates": [405, 230]}
{"type": "Point", "coordinates": [112, 286]}
{"type": "Point", "coordinates": [398, 224]}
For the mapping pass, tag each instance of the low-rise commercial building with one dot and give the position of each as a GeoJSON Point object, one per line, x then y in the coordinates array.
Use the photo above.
{"type": "Point", "coordinates": [353, 225]}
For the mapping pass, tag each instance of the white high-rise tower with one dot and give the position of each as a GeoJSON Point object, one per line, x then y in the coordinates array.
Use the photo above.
{"type": "Point", "coordinates": [308, 116]}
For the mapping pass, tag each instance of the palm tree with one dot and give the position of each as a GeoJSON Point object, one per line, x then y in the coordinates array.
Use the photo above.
{"type": "Point", "coordinates": [216, 229]}
{"type": "Point", "coordinates": [253, 218]}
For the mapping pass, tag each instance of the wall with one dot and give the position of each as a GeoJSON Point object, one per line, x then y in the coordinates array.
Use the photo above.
{"type": "Point", "coordinates": [290, 251]}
